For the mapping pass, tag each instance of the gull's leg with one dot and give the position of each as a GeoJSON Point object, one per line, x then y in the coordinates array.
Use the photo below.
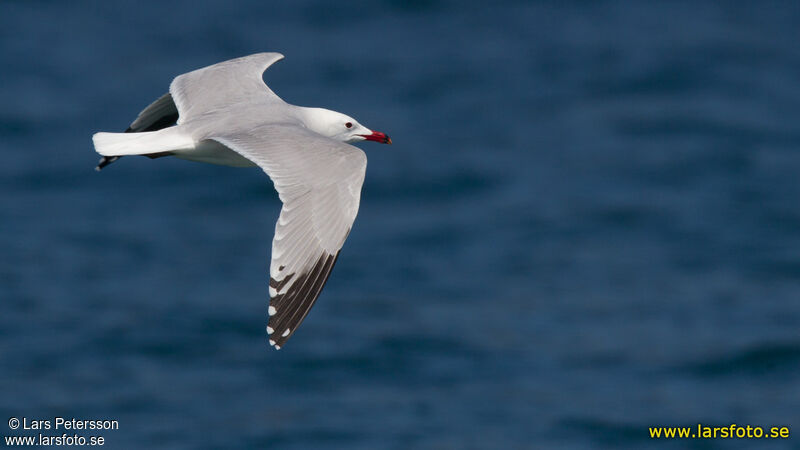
{"type": "Point", "coordinates": [106, 160]}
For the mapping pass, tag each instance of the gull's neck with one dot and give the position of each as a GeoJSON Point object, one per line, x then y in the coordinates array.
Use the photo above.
{"type": "Point", "coordinates": [313, 118]}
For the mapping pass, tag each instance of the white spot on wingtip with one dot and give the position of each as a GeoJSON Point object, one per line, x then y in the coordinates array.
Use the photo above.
{"type": "Point", "coordinates": [286, 333]}
{"type": "Point", "coordinates": [272, 310]}
{"type": "Point", "coordinates": [271, 342]}
{"type": "Point", "coordinates": [270, 330]}
{"type": "Point", "coordinates": [277, 347]}
{"type": "Point", "coordinates": [272, 292]}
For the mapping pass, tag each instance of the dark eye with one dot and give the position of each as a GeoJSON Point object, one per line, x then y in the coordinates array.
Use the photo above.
{"type": "Point", "coordinates": [349, 124]}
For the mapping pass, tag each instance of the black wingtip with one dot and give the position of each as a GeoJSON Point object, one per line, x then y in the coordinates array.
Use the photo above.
{"type": "Point", "coordinates": [287, 310]}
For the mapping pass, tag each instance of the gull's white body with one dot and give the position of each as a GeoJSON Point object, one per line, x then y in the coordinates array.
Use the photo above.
{"type": "Point", "coordinates": [228, 116]}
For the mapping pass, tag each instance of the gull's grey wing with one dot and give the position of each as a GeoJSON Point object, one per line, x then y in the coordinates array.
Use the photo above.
{"type": "Point", "coordinates": [223, 84]}
{"type": "Point", "coordinates": [319, 182]}
{"type": "Point", "coordinates": [162, 113]}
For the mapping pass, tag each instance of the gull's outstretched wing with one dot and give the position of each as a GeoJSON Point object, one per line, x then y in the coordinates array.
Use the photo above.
{"type": "Point", "coordinates": [220, 85]}
{"type": "Point", "coordinates": [207, 89]}
{"type": "Point", "coordinates": [160, 114]}
{"type": "Point", "coordinates": [319, 182]}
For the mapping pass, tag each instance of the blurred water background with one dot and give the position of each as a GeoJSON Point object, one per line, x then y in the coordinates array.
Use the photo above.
{"type": "Point", "coordinates": [588, 225]}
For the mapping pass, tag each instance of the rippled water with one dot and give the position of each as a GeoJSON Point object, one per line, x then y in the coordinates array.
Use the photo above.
{"type": "Point", "coordinates": [588, 225]}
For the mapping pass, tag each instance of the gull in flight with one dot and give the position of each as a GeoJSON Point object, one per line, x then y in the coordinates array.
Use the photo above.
{"type": "Point", "coordinates": [225, 114]}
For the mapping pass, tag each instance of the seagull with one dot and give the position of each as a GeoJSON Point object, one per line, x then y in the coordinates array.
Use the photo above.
{"type": "Point", "coordinates": [225, 114]}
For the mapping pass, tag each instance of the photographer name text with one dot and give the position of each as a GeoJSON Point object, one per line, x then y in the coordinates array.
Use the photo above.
{"type": "Point", "coordinates": [62, 423]}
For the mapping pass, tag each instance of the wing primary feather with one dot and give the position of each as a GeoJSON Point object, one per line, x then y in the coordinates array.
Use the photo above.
{"type": "Point", "coordinates": [302, 293]}
{"type": "Point", "coordinates": [288, 300]}
{"type": "Point", "coordinates": [303, 299]}
{"type": "Point", "coordinates": [278, 285]}
{"type": "Point", "coordinates": [316, 289]}
{"type": "Point", "coordinates": [160, 114]}
{"type": "Point", "coordinates": [294, 305]}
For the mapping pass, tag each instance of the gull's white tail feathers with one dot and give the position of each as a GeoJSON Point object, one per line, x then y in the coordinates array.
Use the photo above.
{"type": "Point", "coordinates": [119, 144]}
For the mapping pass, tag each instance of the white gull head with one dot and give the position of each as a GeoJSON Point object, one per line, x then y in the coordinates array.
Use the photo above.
{"type": "Point", "coordinates": [340, 127]}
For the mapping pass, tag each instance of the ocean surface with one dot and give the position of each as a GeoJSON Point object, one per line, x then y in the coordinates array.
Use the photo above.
{"type": "Point", "coordinates": [588, 225]}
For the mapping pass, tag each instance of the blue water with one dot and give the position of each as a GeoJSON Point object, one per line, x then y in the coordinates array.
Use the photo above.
{"type": "Point", "coordinates": [588, 224]}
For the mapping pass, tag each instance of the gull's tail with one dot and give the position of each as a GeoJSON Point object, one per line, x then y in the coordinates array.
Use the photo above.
{"type": "Point", "coordinates": [150, 143]}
